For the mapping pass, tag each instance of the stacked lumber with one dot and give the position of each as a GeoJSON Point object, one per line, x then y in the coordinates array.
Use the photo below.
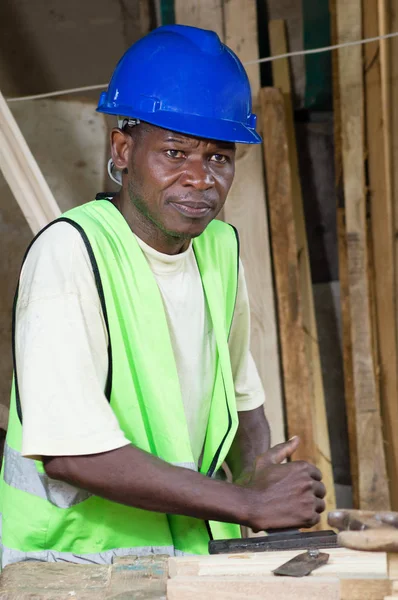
{"type": "Point", "coordinates": [363, 116]}
{"type": "Point", "coordinates": [349, 575]}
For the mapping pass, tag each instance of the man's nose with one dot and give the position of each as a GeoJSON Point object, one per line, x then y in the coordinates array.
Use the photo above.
{"type": "Point", "coordinates": [198, 175]}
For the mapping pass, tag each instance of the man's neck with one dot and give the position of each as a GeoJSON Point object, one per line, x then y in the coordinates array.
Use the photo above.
{"type": "Point", "coordinates": [146, 230]}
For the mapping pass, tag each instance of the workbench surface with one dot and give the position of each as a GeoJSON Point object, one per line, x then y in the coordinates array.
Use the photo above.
{"type": "Point", "coordinates": [349, 575]}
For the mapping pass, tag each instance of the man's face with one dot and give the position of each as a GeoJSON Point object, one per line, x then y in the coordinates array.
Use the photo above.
{"type": "Point", "coordinates": [178, 182]}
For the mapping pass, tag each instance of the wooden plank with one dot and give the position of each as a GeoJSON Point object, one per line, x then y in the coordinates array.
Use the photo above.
{"type": "Point", "coordinates": [343, 270]}
{"type": "Point", "coordinates": [246, 206]}
{"type": "Point", "coordinates": [383, 18]}
{"type": "Point", "coordinates": [45, 581]}
{"type": "Point", "coordinates": [264, 588]}
{"type": "Point", "coordinates": [129, 577]}
{"type": "Point", "coordinates": [207, 14]}
{"type": "Point", "coordinates": [373, 486]}
{"type": "Point", "coordinates": [350, 589]}
{"type": "Point", "coordinates": [285, 254]}
{"type": "Point", "coordinates": [139, 577]}
{"type": "Point", "coordinates": [323, 458]}
{"type": "Point", "coordinates": [246, 210]}
{"type": "Point", "coordinates": [240, 26]}
{"type": "Point", "coordinates": [380, 195]}
{"type": "Point", "coordinates": [393, 82]}
{"type": "Point", "coordinates": [23, 175]}
{"type": "Point", "coordinates": [343, 563]}
{"type": "Point", "coordinates": [364, 589]}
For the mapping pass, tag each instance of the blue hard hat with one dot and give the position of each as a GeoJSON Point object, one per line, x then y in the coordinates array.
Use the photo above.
{"type": "Point", "coordinates": [184, 79]}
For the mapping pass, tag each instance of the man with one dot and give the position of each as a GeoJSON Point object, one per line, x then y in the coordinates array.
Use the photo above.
{"type": "Point", "coordinates": [131, 338]}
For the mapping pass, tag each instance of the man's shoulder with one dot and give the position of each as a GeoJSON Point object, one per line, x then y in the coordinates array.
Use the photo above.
{"type": "Point", "coordinates": [57, 240]}
{"type": "Point", "coordinates": [56, 263]}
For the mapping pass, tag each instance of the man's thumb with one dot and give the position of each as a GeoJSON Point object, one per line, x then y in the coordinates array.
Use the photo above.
{"type": "Point", "coordinates": [281, 452]}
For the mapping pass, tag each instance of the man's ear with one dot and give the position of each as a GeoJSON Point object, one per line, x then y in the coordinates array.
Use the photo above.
{"type": "Point", "coordinates": [120, 148]}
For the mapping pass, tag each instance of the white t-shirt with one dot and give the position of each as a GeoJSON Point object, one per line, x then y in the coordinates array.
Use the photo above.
{"type": "Point", "coordinates": [61, 347]}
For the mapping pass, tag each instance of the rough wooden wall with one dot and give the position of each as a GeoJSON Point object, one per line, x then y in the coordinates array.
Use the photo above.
{"type": "Point", "coordinates": [48, 45]}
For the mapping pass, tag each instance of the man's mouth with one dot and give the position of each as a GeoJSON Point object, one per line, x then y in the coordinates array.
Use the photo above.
{"type": "Point", "coordinates": [192, 209]}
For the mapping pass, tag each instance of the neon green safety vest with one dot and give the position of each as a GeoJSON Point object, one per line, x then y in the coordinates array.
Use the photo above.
{"type": "Point", "coordinates": [45, 519]}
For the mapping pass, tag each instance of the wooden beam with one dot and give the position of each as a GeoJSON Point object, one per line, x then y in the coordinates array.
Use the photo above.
{"type": "Point", "coordinates": [392, 9]}
{"type": "Point", "coordinates": [380, 196]}
{"type": "Point", "coordinates": [343, 563]}
{"type": "Point", "coordinates": [343, 269]}
{"type": "Point", "coordinates": [297, 384]}
{"type": "Point", "coordinates": [364, 589]}
{"type": "Point", "coordinates": [266, 588]}
{"type": "Point", "coordinates": [129, 577]}
{"type": "Point", "coordinates": [246, 203]}
{"type": "Point", "coordinates": [240, 26]}
{"type": "Point", "coordinates": [208, 14]}
{"type": "Point", "coordinates": [23, 175]}
{"type": "Point", "coordinates": [323, 458]}
{"type": "Point", "coordinates": [192, 588]}
{"type": "Point", "coordinates": [246, 209]}
{"type": "Point", "coordinates": [373, 485]}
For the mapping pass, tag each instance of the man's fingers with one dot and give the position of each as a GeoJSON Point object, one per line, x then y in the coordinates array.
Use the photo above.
{"type": "Point", "coordinates": [314, 472]}
{"type": "Point", "coordinates": [320, 505]}
{"type": "Point", "coordinates": [281, 452]}
{"type": "Point", "coordinates": [319, 489]}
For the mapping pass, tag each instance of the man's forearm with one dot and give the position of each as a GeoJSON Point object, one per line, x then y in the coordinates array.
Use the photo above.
{"type": "Point", "coordinates": [252, 439]}
{"type": "Point", "coordinates": [135, 478]}
{"type": "Point", "coordinates": [277, 496]}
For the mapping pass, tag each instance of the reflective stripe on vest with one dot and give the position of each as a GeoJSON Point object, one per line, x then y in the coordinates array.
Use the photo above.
{"type": "Point", "coordinates": [10, 556]}
{"type": "Point", "coordinates": [21, 473]}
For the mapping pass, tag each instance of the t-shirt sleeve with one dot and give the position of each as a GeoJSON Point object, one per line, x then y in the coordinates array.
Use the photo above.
{"type": "Point", "coordinates": [249, 390]}
{"type": "Point", "coordinates": [61, 347]}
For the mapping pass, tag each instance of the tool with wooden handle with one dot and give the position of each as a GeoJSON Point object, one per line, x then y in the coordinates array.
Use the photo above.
{"type": "Point", "coordinates": [372, 532]}
{"type": "Point", "coordinates": [366, 530]}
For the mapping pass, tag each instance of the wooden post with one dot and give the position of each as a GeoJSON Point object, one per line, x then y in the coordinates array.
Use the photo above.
{"type": "Point", "coordinates": [322, 458]}
{"type": "Point", "coordinates": [208, 14]}
{"type": "Point", "coordinates": [246, 204]}
{"type": "Point", "coordinates": [380, 195]}
{"type": "Point", "coordinates": [285, 253]}
{"type": "Point", "coordinates": [343, 270]}
{"type": "Point", "coordinates": [23, 175]}
{"type": "Point", "coordinates": [373, 485]}
{"type": "Point", "coordinates": [392, 565]}
{"type": "Point", "coordinates": [392, 12]}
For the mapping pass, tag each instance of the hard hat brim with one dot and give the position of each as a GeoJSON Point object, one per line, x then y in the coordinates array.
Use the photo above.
{"type": "Point", "coordinates": [197, 126]}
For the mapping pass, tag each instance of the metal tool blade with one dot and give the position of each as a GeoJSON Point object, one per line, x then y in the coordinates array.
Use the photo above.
{"type": "Point", "coordinates": [293, 540]}
{"type": "Point", "coordinates": [303, 564]}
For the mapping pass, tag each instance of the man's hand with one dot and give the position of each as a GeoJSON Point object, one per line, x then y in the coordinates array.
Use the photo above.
{"type": "Point", "coordinates": [283, 495]}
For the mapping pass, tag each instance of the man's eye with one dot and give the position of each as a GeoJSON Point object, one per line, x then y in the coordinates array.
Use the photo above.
{"type": "Point", "coordinates": [220, 159]}
{"type": "Point", "coordinates": [175, 153]}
